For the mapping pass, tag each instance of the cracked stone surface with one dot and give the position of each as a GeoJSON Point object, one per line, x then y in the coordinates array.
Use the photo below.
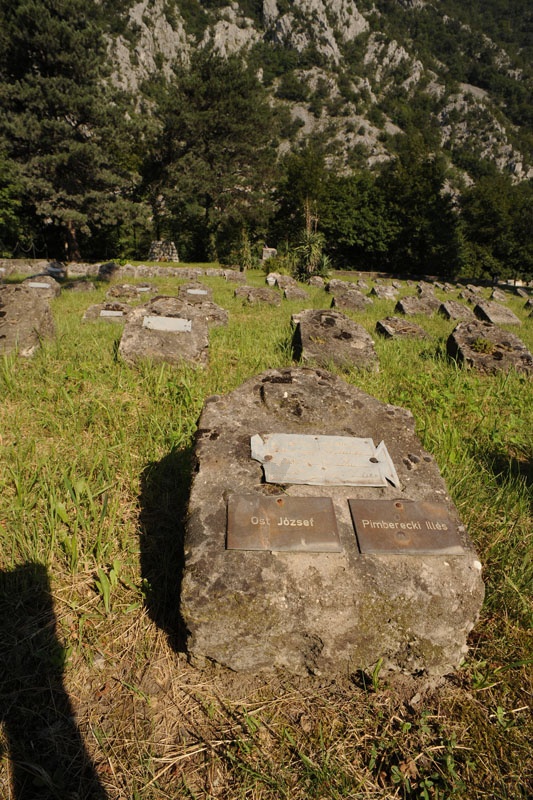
{"type": "Point", "coordinates": [394, 327]}
{"type": "Point", "coordinates": [308, 612]}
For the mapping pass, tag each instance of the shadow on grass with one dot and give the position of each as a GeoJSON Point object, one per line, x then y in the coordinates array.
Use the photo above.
{"type": "Point", "coordinates": [41, 743]}
{"type": "Point", "coordinates": [165, 487]}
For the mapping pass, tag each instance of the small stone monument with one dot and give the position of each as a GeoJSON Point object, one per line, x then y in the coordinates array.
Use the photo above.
{"type": "Point", "coordinates": [488, 348]}
{"type": "Point", "coordinates": [453, 309]}
{"type": "Point", "coordinates": [496, 313]}
{"type": "Point", "coordinates": [107, 312]}
{"type": "Point", "coordinates": [45, 285]}
{"type": "Point", "coordinates": [25, 319]}
{"type": "Point", "coordinates": [170, 330]}
{"type": "Point", "coordinates": [321, 537]}
{"type": "Point", "coordinates": [327, 337]}
{"type": "Point", "coordinates": [425, 304]}
{"type": "Point", "coordinates": [399, 327]}
{"type": "Point", "coordinates": [163, 250]}
{"type": "Point", "coordinates": [253, 295]}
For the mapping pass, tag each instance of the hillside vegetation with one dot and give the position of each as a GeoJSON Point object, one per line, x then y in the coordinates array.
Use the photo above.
{"type": "Point", "coordinates": [404, 128]}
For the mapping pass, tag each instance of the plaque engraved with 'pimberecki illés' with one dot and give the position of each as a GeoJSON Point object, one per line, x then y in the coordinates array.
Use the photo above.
{"type": "Point", "coordinates": [301, 524]}
{"type": "Point", "coordinates": [405, 527]}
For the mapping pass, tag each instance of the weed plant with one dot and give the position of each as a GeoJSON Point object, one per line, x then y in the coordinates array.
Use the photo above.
{"type": "Point", "coordinates": [94, 475]}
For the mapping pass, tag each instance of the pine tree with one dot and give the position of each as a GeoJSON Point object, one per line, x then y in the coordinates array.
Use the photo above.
{"type": "Point", "coordinates": [57, 123]}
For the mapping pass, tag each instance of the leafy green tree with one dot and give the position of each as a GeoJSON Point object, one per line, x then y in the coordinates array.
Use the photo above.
{"type": "Point", "coordinates": [301, 189]}
{"type": "Point", "coordinates": [60, 128]}
{"type": "Point", "coordinates": [427, 237]}
{"type": "Point", "coordinates": [498, 222]}
{"type": "Point", "coordinates": [355, 221]}
{"type": "Point", "coordinates": [213, 165]}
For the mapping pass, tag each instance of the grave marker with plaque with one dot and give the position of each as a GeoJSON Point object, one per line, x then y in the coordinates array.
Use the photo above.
{"type": "Point", "coordinates": [295, 559]}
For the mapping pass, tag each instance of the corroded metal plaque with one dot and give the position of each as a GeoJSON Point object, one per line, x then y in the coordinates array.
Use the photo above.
{"type": "Point", "coordinates": [304, 524]}
{"type": "Point", "coordinates": [170, 324]}
{"type": "Point", "coordinates": [323, 460]}
{"type": "Point", "coordinates": [404, 527]}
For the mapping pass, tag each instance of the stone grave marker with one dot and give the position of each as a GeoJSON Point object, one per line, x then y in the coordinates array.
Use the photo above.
{"type": "Point", "coordinates": [521, 292]}
{"type": "Point", "coordinates": [25, 319]}
{"type": "Point", "coordinates": [425, 304]}
{"type": "Point", "coordinates": [130, 291]}
{"type": "Point", "coordinates": [317, 281]}
{"type": "Point", "coordinates": [206, 310]}
{"type": "Point", "coordinates": [453, 309]}
{"type": "Point", "coordinates": [295, 293]}
{"type": "Point", "coordinates": [498, 296]}
{"type": "Point", "coordinates": [286, 281]}
{"type": "Point", "coordinates": [488, 348]}
{"type": "Point", "coordinates": [496, 313]}
{"type": "Point", "coordinates": [398, 327]}
{"type": "Point", "coordinates": [272, 277]}
{"type": "Point", "coordinates": [253, 295]}
{"type": "Point", "coordinates": [45, 285]}
{"type": "Point", "coordinates": [321, 537]}
{"type": "Point", "coordinates": [195, 293]}
{"type": "Point", "coordinates": [172, 333]}
{"type": "Point", "coordinates": [107, 312]}
{"type": "Point", "coordinates": [384, 292]}
{"type": "Point", "coordinates": [327, 337]}
{"type": "Point", "coordinates": [235, 276]}
{"type": "Point", "coordinates": [351, 299]}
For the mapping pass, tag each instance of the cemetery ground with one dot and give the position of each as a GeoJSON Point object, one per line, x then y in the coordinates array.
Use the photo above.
{"type": "Point", "coordinates": [94, 480]}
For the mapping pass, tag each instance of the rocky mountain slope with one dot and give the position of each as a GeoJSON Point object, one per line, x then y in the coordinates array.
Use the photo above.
{"type": "Point", "coordinates": [354, 74]}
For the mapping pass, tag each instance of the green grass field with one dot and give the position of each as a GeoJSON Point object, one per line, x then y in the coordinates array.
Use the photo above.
{"type": "Point", "coordinates": [97, 698]}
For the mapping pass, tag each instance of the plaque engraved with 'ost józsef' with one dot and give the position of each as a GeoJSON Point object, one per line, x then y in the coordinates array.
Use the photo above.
{"type": "Point", "coordinates": [303, 524]}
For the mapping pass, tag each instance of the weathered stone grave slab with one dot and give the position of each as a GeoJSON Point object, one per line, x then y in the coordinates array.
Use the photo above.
{"type": "Point", "coordinates": [107, 312]}
{"type": "Point", "coordinates": [394, 327]}
{"type": "Point", "coordinates": [384, 292]}
{"type": "Point", "coordinates": [425, 304]}
{"type": "Point", "coordinates": [164, 306]}
{"type": "Point", "coordinates": [327, 337]}
{"type": "Point", "coordinates": [496, 313]}
{"type": "Point", "coordinates": [235, 276]}
{"type": "Point", "coordinates": [453, 309]}
{"type": "Point", "coordinates": [351, 299]}
{"type": "Point", "coordinates": [488, 348]}
{"type": "Point", "coordinates": [498, 296]}
{"type": "Point", "coordinates": [272, 277]}
{"type": "Point", "coordinates": [195, 293]}
{"type": "Point", "coordinates": [153, 335]}
{"type": "Point", "coordinates": [258, 294]}
{"type": "Point", "coordinates": [285, 282]}
{"type": "Point", "coordinates": [25, 319]}
{"type": "Point", "coordinates": [316, 280]}
{"type": "Point", "coordinates": [131, 291]}
{"type": "Point", "coordinates": [295, 293]}
{"type": "Point", "coordinates": [45, 285]}
{"type": "Point", "coordinates": [321, 579]}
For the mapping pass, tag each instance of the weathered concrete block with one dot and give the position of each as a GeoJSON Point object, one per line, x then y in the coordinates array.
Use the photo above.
{"type": "Point", "coordinates": [322, 612]}
{"type": "Point", "coordinates": [488, 348]}
{"type": "Point", "coordinates": [496, 313]}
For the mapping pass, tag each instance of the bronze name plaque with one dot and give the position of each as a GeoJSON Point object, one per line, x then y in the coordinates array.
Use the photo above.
{"type": "Point", "coordinates": [302, 524]}
{"type": "Point", "coordinates": [404, 527]}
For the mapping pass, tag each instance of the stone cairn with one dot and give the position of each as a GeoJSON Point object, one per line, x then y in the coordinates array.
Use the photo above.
{"type": "Point", "coordinates": [163, 251]}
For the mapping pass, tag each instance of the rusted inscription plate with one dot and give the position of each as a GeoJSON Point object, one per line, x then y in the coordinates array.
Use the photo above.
{"type": "Point", "coordinates": [305, 524]}
{"type": "Point", "coordinates": [404, 526]}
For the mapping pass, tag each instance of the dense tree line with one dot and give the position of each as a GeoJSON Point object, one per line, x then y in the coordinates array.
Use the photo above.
{"type": "Point", "coordinates": [86, 173]}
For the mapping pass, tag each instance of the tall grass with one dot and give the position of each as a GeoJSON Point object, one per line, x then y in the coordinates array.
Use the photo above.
{"type": "Point", "coordinates": [95, 468]}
